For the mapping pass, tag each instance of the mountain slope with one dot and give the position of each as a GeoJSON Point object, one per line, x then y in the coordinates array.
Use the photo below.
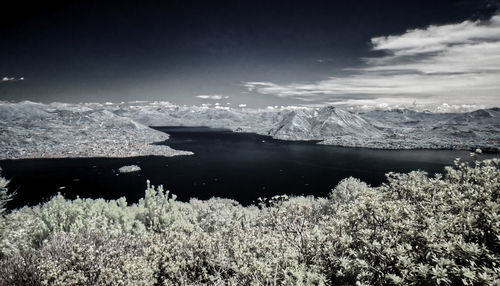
{"type": "Point", "coordinates": [322, 124]}
{"type": "Point", "coordinates": [33, 130]}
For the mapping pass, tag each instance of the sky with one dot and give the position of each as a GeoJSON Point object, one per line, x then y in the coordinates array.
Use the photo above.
{"type": "Point", "coordinates": [252, 52]}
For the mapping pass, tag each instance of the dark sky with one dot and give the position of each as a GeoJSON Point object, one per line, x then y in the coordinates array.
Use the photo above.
{"type": "Point", "coordinates": [79, 51]}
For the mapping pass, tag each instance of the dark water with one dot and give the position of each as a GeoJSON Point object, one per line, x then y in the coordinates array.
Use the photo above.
{"type": "Point", "coordinates": [241, 166]}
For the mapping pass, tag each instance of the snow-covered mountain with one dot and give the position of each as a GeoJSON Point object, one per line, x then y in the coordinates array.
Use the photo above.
{"type": "Point", "coordinates": [29, 130]}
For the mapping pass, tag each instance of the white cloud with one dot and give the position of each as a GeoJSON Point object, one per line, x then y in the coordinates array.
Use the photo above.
{"type": "Point", "coordinates": [456, 63]}
{"type": "Point", "coordinates": [212, 96]}
{"type": "Point", "coordinates": [438, 38]}
{"type": "Point", "coordinates": [10, 79]}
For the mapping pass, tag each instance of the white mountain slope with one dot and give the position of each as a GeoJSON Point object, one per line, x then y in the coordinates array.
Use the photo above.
{"type": "Point", "coordinates": [388, 129]}
{"type": "Point", "coordinates": [407, 129]}
{"type": "Point", "coordinates": [322, 124]}
{"type": "Point", "coordinates": [258, 121]}
{"type": "Point", "coordinates": [30, 130]}
{"type": "Point", "coordinates": [33, 130]}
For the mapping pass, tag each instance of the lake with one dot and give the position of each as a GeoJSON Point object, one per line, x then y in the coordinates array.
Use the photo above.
{"type": "Point", "coordinates": [241, 166]}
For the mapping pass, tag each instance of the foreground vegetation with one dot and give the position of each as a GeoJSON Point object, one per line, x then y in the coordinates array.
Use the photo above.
{"type": "Point", "coordinates": [414, 229]}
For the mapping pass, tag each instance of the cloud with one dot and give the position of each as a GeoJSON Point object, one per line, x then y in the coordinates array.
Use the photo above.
{"type": "Point", "coordinates": [212, 96]}
{"type": "Point", "coordinates": [455, 63]}
{"type": "Point", "coordinates": [438, 38]}
{"type": "Point", "coordinates": [4, 79]}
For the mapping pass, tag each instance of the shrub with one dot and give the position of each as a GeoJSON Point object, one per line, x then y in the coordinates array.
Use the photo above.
{"type": "Point", "coordinates": [420, 230]}
{"type": "Point", "coordinates": [413, 229]}
{"type": "Point", "coordinates": [87, 258]}
{"type": "Point", "coordinates": [5, 196]}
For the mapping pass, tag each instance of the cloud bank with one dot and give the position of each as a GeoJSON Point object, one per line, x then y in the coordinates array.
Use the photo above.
{"type": "Point", "coordinates": [212, 96]}
{"type": "Point", "coordinates": [455, 63]}
{"type": "Point", "coordinates": [4, 79]}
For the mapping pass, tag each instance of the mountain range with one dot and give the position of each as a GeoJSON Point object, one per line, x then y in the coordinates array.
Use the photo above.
{"type": "Point", "coordinates": [33, 130]}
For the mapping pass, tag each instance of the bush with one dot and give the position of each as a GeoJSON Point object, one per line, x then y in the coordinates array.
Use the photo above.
{"type": "Point", "coordinates": [414, 229]}
{"type": "Point", "coordinates": [5, 196]}
{"type": "Point", "coordinates": [81, 259]}
{"type": "Point", "coordinates": [420, 230]}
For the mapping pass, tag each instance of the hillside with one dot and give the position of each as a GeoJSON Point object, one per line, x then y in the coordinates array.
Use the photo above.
{"type": "Point", "coordinates": [35, 130]}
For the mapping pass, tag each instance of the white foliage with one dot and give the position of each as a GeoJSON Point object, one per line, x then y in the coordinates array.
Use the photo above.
{"type": "Point", "coordinates": [411, 230]}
